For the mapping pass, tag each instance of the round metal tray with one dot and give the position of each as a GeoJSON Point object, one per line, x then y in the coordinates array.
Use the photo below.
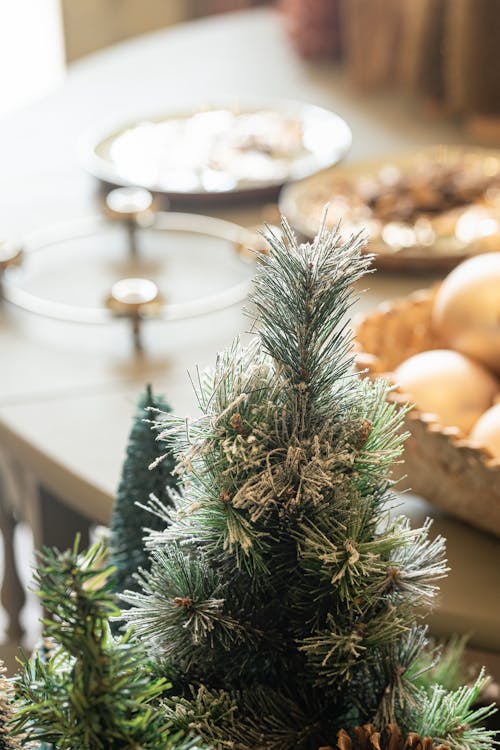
{"type": "Point", "coordinates": [219, 152]}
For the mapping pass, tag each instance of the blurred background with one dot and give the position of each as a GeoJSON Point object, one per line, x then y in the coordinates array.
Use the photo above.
{"type": "Point", "coordinates": [57, 32]}
{"type": "Point", "coordinates": [442, 50]}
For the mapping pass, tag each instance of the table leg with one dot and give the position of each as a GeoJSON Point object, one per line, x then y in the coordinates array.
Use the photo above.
{"type": "Point", "coordinates": [12, 592]}
{"type": "Point", "coordinates": [53, 524]}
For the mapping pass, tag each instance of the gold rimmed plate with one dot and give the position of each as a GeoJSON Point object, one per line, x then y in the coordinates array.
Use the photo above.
{"type": "Point", "coordinates": [427, 210]}
{"type": "Point", "coordinates": [220, 152]}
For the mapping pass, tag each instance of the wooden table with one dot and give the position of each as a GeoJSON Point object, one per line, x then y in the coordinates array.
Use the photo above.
{"type": "Point", "coordinates": [67, 392]}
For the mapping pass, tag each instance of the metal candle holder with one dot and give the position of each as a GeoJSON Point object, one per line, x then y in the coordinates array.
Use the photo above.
{"type": "Point", "coordinates": [132, 206]}
{"type": "Point", "coordinates": [135, 299]}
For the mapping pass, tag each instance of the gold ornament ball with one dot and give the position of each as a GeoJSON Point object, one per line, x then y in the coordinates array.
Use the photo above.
{"type": "Point", "coordinates": [486, 431]}
{"type": "Point", "coordinates": [448, 384]}
{"type": "Point", "coordinates": [467, 309]}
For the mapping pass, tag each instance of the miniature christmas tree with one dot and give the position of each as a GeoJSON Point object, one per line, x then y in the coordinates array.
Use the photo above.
{"type": "Point", "coordinates": [7, 739]}
{"type": "Point", "coordinates": [282, 599]}
{"type": "Point", "coordinates": [138, 483]}
{"type": "Point", "coordinates": [90, 691]}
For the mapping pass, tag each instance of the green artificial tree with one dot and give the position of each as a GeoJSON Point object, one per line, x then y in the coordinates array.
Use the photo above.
{"type": "Point", "coordinates": [138, 484]}
{"type": "Point", "coordinates": [282, 599]}
{"type": "Point", "coordinates": [89, 691]}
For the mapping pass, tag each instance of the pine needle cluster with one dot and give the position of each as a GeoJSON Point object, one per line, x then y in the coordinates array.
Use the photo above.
{"type": "Point", "coordinates": [282, 597]}
{"type": "Point", "coordinates": [88, 691]}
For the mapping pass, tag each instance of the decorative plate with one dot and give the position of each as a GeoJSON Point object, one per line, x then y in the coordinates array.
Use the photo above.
{"type": "Point", "coordinates": [220, 152]}
{"type": "Point", "coordinates": [422, 211]}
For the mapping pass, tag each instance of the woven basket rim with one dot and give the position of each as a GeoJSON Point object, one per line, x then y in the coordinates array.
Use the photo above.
{"type": "Point", "coordinates": [370, 364]}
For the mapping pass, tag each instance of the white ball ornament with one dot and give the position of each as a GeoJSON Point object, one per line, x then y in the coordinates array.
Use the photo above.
{"type": "Point", "coordinates": [446, 383]}
{"type": "Point", "coordinates": [486, 431]}
{"type": "Point", "coordinates": [467, 309]}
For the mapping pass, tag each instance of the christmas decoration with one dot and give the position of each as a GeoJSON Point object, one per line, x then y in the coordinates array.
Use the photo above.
{"type": "Point", "coordinates": [467, 309]}
{"type": "Point", "coordinates": [486, 431]}
{"type": "Point", "coordinates": [446, 383]}
{"type": "Point", "coordinates": [281, 600]}
{"type": "Point", "coordinates": [138, 484]}
{"type": "Point", "coordinates": [91, 691]}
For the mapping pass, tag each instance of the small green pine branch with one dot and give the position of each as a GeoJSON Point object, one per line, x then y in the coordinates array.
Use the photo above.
{"type": "Point", "coordinates": [276, 720]}
{"type": "Point", "coordinates": [335, 652]}
{"type": "Point", "coordinates": [216, 526]}
{"type": "Point", "coordinates": [224, 452]}
{"type": "Point", "coordinates": [302, 299]}
{"type": "Point", "coordinates": [92, 692]}
{"type": "Point", "coordinates": [257, 718]}
{"type": "Point", "coordinates": [396, 561]}
{"type": "Point", "coordinates": [389, 691]}
{"type": "Point", "coordinates": [208, 714]}
{"type": "Point", "coordinates": [181, 607]}
{"type": "Point", "coordinates": [450, 717]}
{"type": "Point", "coordinates": [381, 435]}
{"type": "Point", "coordinates": [416, 564]}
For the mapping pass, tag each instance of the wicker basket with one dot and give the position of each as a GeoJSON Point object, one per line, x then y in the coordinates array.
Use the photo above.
{"type": "Point", "coordinates": [440, 464]}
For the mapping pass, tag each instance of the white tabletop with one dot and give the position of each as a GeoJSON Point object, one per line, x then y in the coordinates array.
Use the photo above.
{"type": "Point", "coordinates": [67, 392]}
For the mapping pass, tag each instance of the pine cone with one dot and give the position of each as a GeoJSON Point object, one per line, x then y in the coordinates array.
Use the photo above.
{"type": "Point", "coordinates": [368, 738]}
